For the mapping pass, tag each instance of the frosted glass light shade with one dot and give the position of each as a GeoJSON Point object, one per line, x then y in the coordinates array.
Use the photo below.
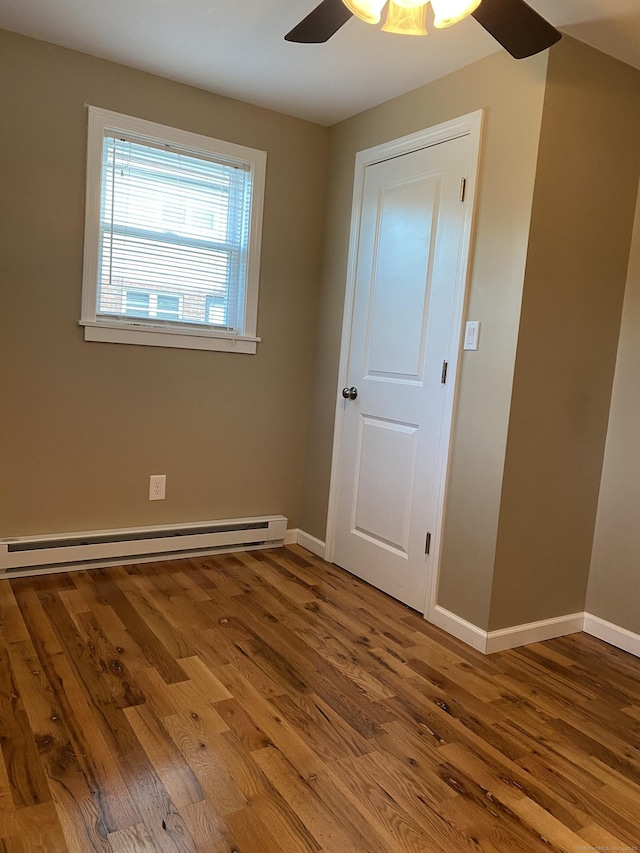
{"type": "Point", "coordinates": [406, 21]}
{"type": "Point", "coordinates": [448, 12]}
{"type": "Point", "coordinates": [366, 10]}
{"type": "Point", "coordinates": [411, 4]}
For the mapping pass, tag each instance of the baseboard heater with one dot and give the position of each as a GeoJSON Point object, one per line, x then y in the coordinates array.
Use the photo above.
{"type": "Point", "coordinates": [31, 555]}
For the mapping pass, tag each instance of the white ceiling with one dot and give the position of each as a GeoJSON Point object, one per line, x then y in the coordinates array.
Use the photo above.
{"type": "Point", "coordinates": [236, 47]}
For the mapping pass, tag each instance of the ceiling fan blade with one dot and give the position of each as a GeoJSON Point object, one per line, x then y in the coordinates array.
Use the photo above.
{"type": "Point", "coordinates": [518, 27]}
{"type": "Point", "coordinates": [319, 25]}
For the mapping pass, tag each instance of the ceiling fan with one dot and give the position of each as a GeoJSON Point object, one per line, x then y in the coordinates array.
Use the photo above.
{"type": "Point", "coordinates": [512, 23]}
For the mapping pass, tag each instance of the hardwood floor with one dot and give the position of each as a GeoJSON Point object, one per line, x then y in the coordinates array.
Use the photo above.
{"type": "Point", "coordinates": [270, 703]}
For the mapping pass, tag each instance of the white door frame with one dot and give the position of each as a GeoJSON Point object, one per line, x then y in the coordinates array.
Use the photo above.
{"type": "Point", "coordinates": [467, 125]}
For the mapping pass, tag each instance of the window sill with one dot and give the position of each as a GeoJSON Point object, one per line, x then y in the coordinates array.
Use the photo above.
{"type": "Point", "coordinates": [151, 336]}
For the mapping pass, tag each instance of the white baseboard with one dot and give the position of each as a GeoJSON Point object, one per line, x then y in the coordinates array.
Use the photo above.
{"type": "Point", "coordinates": [316, 546]}
{"type": "Point", "coordinates": [506, 638]}
{"type": "Point", "coordinates": [295, 536]}
{"type": "Point", "coordinates": [533, 632]}
{"type": "Point", "coordinates": [291, 536]}
{"type": "Point", "coordinates": [488, 642]}
{"type": "Point", "coordinates": [460, 628]}
{"type": "Point", "coordinates": [612, 634]}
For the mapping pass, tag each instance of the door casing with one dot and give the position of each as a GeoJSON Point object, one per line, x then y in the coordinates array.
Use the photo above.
{"type": "Point", "coordinates": [468, 125]}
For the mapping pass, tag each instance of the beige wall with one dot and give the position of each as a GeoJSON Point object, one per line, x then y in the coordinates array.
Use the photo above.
{"type": "Point", "coordinates": [614, 581]}
{"type": "Point", "coordinates": [576, 269]}
{"type": "Point", "coordinates": [84, 424]}
{"type": "Point", "coordinates": [512, 95]}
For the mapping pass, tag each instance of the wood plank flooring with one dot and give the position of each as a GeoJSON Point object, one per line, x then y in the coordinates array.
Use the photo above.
{"type": "Point", "coordinates": [268, 702]}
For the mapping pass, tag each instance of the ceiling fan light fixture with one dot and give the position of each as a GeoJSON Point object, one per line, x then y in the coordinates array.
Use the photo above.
{"type": "Point", "coordinates": [367, 10]}
{"type": "Point", "coordinates": [448, 12]}
{"type": "Point", "coordinates": [411, 4]}
{"type": "Point", "coordinates": [406, 20]}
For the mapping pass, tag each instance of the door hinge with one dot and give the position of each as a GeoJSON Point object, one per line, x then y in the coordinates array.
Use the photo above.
{"type": "Point", "coordinates": [427, 544]}
{"type": "Point", "coordinates": [445, 367]}
{"type": "Point", "coordinates": [463, 189]}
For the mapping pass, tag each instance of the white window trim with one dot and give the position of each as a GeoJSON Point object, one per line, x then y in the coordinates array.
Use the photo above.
{"type": "Point", "coordinates": [115, 330]}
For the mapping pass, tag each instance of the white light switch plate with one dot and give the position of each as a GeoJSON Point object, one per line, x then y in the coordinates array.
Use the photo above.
{"type": "Point", "coordinates": [471, 335]}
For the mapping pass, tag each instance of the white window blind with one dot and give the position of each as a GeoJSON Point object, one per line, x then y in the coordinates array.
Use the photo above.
{"type": "Point", "coordinates": [174, 234]}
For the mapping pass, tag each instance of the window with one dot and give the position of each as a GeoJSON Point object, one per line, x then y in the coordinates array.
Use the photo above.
{"type": "Point", "coordinates": [136, 304]}
{"type": "Point", "coordinates": [172, 237]}
{"type": "Point", "coordinates": [140, 303]}
{"type": "Point", "coordinates": [214, 309]}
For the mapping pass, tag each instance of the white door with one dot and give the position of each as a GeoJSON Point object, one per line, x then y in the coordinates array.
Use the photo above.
{"type": "Point", "coordinates": [407, 306]}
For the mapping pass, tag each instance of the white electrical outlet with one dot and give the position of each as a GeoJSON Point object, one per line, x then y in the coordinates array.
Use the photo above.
{"type": "Point", "coordinates": [157, 487]}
